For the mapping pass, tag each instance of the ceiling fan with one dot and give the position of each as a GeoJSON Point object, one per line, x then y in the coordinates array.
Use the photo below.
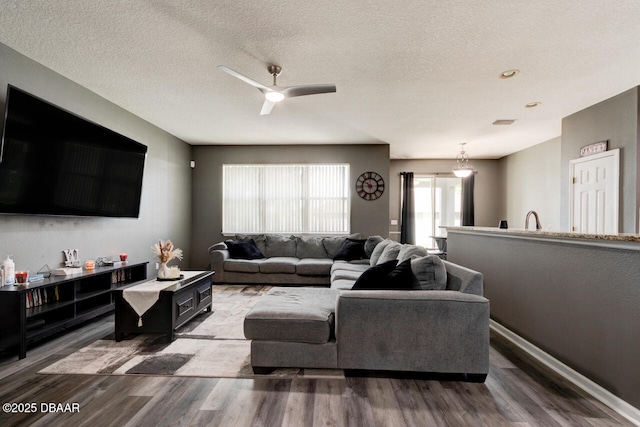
{"type": "Point", "coordinates": [274, 94]}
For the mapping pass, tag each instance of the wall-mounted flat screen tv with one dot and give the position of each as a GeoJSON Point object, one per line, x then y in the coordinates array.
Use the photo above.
{"type": "Point", "coordinates": [53, 162]}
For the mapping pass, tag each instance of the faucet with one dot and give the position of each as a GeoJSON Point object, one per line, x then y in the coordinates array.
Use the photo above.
{"type": "Point", "coordinates": [526, 221]}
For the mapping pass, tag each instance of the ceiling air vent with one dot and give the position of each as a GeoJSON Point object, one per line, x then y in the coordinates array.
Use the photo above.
{"type": "Point", "coordinates": [503, 122]}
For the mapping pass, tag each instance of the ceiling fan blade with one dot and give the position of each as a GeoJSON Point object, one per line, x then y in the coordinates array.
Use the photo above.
{"type": "Point", "coordinates": [291, 91]}
{"type": "Point", "coordinates": [244, 78]}
{"type": "Point", "coordinates": [267, 107]}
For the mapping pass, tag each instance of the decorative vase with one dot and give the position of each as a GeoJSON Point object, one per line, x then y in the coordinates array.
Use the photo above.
{"type": "Point", "coordinates": [163, 271]}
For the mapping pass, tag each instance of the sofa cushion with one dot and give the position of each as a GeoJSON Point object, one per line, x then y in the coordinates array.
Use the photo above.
{"type": "Point", "coordinates": [310, 247]}
{"type": "Point", "coordinates": [370, 244]}
{"type": "Point", "coordinates": [293, 315]}
{"type": "Point", "coordinates": [314, 267]}
{"type": "Point", "coordinates": [243, 250]}
{"type": "Point", "coordinates": [355, 265]}
{"type": "Point", "coordinates": [242, 265]}
{"type": "Point", "coordinates": [374, 277]}
{"type": "Point", "coordinates": [279, 264]}
{"type": "Point", "coordinates": [351, 249]}
{"type": "Point", "coordinates": [377, 251]}
{"type": "Point", "coordinates": [342, 284]}
{"type": "Point", "coordinates": [408, 251]}
{"type": "Point", "coordinates": [259, 239]}
{"type": "Point", "coordinates": [333, 244]}
{"type": "Point", "coordinates": [430, 272]}
{"type": "Point", "coordinates": [389, 253]}
{"type": "Point", "coordinates": [280, 246]}
{"type": "Point", "coordinates": [345, 274]}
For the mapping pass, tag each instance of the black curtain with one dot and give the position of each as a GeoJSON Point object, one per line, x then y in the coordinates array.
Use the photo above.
{"type": "Point", "coordinates": [467, 201]}
{"type": "Point", "coordinates": [408, 225]}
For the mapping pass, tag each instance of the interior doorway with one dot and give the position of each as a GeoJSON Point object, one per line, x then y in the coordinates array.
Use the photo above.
{"type": "Point", "coordinates": [438, 202]}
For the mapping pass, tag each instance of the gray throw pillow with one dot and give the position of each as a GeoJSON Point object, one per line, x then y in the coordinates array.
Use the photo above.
{"type": "Point", "coordinates": [310, 247]}
{"type": "Point", "coordinates": [370, 244]}
{"type": "Point", "coordinates": [408, 251]}
{"type": "Point", "coordinates": [390, 252]}
{"type": "Point", "coordinates": [430, 272]}
{"type": "Point", "coordinates": [377, 251]}
{"type": "Point", "coordinates": [279, 245]}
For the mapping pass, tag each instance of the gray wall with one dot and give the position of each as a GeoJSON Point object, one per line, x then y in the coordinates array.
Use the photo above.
{"type": "Point", "coordinates": [487, 194]}
{"type": "Point", "coordinates": [578, 302]}
{"type": "Point", "coordinates": [166, 196]}
{"type": "Point", "coordinates": [367, 217]}
{"type": "Point", "coordinates": [530, 180]}
{"type": "Point", "coordinates": [616, 120]}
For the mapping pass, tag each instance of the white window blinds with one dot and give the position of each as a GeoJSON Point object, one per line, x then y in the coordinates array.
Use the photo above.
{"type": "Point", "coordinates": [308, 198]}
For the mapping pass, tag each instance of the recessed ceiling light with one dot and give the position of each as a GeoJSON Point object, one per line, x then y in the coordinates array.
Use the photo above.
{"type": "Point", "coordinates": [532, 104]}
{"type": "Point", "coordinates": [503, 122]}
{"type": "Point", "coordinates": [508, 74]}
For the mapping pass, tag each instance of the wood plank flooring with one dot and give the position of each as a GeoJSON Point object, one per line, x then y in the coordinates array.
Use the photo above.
{"type": "Point", "coordinates": [518, 392]}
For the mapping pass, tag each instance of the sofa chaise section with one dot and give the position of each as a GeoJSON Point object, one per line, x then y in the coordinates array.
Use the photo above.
{"type": "Point", "coordinates": [435, 331]}
{"type": "Point", "coordinates": [416, 331]}
{"type": "Point", "coordinates": [293, 327]}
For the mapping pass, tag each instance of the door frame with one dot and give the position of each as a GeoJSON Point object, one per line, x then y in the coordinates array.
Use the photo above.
{"type": "Point", "coordinates": [615, 153]}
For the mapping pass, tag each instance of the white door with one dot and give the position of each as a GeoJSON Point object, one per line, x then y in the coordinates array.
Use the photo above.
{"type": "Point", "coordinates": [594, 193]}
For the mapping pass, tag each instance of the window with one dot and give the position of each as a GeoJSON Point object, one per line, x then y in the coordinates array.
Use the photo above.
{"type": "Point", "coordinates": [438, 202]}
{"type": "Point", "coordinates": [308, 198]}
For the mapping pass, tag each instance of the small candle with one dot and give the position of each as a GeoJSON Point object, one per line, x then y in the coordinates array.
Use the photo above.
{"type": "Point", "coordinates": [22, 276]}
{"type": "Point", "coordinates": [89, 264]}
{"type": "Point", "coordinates": [123, 257]}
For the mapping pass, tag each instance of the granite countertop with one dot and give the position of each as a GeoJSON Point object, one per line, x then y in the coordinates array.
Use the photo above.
{"type": "Point", "coordinates": [620, 237]}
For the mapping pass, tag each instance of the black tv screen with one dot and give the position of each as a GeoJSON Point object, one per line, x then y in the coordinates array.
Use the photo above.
{"type": "Point", "coordinates": [53, 162]}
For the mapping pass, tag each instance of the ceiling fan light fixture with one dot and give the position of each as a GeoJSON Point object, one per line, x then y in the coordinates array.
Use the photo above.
{"type": "Point", "coordinates": [462, 169]}
{"type": "Point", "coordinates": [274, 96]}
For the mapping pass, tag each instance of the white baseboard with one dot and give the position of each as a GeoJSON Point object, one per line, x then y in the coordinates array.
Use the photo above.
{"type": "Point", "coordinates": [614, 402]}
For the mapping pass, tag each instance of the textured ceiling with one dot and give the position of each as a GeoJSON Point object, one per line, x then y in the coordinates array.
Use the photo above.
{"type": "Point", "coordinates": [419, 75]}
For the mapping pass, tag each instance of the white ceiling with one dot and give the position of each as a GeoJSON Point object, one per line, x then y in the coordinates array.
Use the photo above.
{"type": "Point", "coordinates": [420, 75]}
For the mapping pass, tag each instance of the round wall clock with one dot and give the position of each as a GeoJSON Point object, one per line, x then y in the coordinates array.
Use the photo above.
{"type": "Point", "coordinates": [370, 186]}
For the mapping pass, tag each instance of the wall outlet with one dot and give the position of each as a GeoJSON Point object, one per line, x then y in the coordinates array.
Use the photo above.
{"type": "Point", "coordinates": [394, 222]}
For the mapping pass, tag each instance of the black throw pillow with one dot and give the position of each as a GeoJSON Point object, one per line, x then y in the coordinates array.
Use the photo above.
{"type": "Point", "coordinates": [351, 249]}
{"type": "Point", "coordinates": [243, 250]}
{"type": "Point", "coordinates": [402, 277]}
{"type": "Point", "coordinates": [388, 276]}
{"type": "Point", "coordinates": [374, 277]}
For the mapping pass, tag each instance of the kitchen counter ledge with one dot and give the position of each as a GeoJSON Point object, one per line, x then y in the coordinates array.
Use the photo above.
{"type": "Point", "coordinates": [620, 240]}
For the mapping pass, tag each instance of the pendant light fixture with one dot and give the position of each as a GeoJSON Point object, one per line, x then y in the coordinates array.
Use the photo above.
{"type": "Point", "coordinates": [463, 169]}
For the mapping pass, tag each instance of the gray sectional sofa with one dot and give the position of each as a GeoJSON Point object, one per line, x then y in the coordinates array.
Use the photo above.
{"type": "Point", "coordinates": [440, 326]}
{"type": "Point", "coordinates": [288, 260]}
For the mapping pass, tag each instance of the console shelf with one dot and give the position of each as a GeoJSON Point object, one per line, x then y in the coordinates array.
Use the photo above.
{"type": "Point", "coordinates": [34, 312]}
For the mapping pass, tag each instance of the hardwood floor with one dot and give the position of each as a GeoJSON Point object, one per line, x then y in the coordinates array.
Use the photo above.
{"type": "Point", "coordinates": [518, 392]}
